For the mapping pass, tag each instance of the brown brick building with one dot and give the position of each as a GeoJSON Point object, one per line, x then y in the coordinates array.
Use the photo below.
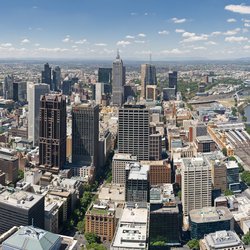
{"type": "Point", "coordinates": [159, 172]}
{"type": "Point", "coordinates": [100, 219]}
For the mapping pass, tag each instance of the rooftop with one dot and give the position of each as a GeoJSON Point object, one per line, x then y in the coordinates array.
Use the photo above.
{"type": "Point", "coordinates": [119, 156]}
{"type": "Point", "coordinates": [137, 171]}
{"type": "Point", "coordinates": [30, 238]}
{"type": "Point", "coordinates": [210, 214]}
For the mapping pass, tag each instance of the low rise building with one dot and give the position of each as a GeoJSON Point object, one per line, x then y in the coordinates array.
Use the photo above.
{"type": "Point", "coordinates": [222, 240]}
{"type": "Point", "coordinates": [132, 231]}
{"type": "Point", "coordinates": [208, 220]}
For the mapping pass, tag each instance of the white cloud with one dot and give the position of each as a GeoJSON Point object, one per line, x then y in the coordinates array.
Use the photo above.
{"type": "Point", "coordinates": [74, 46]}
{"type": "Point", "coordinates": [177, 20]}
{"type": "Point", "coordinates": [246, 47]}
{"type": "Point", "coordinates": [139, 41]}
{"type": "Point", "coordinates": [237, 39]}
{"type": "Point", "coordinates": [163, 32]}
{"type": "Point", "coordinates": [210, 43]}
{"type": "Point", "coordinates": [192, 37]}
{"type": "Point", "coordinates": [66, 39]}
{"type": "Point", "coordinates": [216, 33]}
{"type": "Point", "coordinates": [175, 51]}
{"type": "Point", "coordinates": [179, 31]}
{"type": "Point", "coordinates": [242, 9]}
{"type": "Point", "coordinates": [130, 37]}
{"type": "Point", "coordinates": [232, 32]}
{"type": "Point", "coordinates": [25, 40]}
{"type": "Point", "coordinates": [123, 43]}
{"type": "Point", "coordinates": [82, 41]}
{"type": "Point", "coordinates": [141, 35]}
{"type": "Point", "coordinates": [133, 14]}
{"type": "Point", "coordinates": [188, 34]}
{"type": "Point", "coordinates": [200, 48]}
{"type": "Point", "coordinates": [247, 25]}
{"type": "Point", "coordinates": [108, 51]}
{"type": "Point", "coordinates": [231, 20]}
{"type": "Point", "coordinates": [52, 50]}
{"type": "Point", "coordinates": [101, 44]}
{"type": "Point", "coordinates": [5, 45]}
{"type": "Point", "coordinates": [37, 44]}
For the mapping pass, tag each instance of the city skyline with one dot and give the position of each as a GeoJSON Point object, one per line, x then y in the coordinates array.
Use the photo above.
{"type": "Point", "coordinates": [95, 29]}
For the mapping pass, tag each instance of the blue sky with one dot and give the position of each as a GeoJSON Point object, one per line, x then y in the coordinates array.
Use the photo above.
{"type": "Point", "coordinates": [94, 29]}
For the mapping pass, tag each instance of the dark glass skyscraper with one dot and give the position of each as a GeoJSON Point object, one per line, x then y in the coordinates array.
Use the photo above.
{"type": "Point", "coordinates": [85, 134]}
{"type": "Point", "coordinates": [52, 132]}
{"type": "Point", "coordinates": [148, 77]}
{"type": "Point", "coordinates": [173, 80]}
{"type": "Point", "coordinates": [105, 75]}
{"type": "Point", "coordinates": [56, 81]}
{"type": "Point", "coordinates": [46, 75]}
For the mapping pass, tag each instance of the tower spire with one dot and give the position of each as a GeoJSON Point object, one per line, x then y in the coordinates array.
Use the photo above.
{"type": "Point", "coordinates": [118, 54]}
{"type": "Point", "coordinates": [150, 57]}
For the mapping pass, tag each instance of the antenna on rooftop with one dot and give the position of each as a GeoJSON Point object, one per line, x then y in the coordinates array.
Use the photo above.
{"type": "Point", "coordinates": [150, 57]}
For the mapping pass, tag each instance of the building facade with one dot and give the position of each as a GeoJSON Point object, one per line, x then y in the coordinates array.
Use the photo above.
{"type": "Point", "coordinates": [52, 139]}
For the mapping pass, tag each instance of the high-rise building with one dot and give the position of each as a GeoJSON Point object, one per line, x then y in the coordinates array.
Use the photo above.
{"type": "Point", "coordinates": [8, 87]}
{"type": "Point", "coordinates": [20, 208]}
{"type": "Point", "coordinates": [46, 75]}
{"type": "Point", "coordinates": [52, 132]}
{"type": "Point", "coordinates": [105, 75]}
{"type": "Point", "coordinates": [118, 75]}
{"type": "Point", "coordinates": [137, 182]}
{"type": "Point", "coordinates": [219, 175]}
{"type": "Point", "coordinates": [196, 184]}
{"type": "Point", "coordinates": [133, 131]}
{"type": "Point", "coordinates": [172, 77]}
{"type": "Point", "coordinates": [20, 91]}
{"type": "Point", "coordinates": [85, 134]}
{"type": "Point", "coordinates": [34, 92]}
{"type": "Point", "coordinates": [56, 81]}
{"type": "Point", "coordinates": [119, 163]}
{"type": "Point", "coordinates": [148, 77]}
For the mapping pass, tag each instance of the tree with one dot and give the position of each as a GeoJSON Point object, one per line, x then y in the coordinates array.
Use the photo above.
{"type": "Point", "coordinates": [193, 244]}
{"type": "Point", "coordinates": [158, 243]}
{"type": "Point", "coordinates": [234, 111]}
{"type": "Point", "coordinates": [179, 194]}
{"type": "Point", "coordinates": [96, 246]}
{"type": "Point", "coordinates": [20, 174]}
{"type": "Point", "coordinates": [92, 238]}
{"type": "Point", "coordinates": [228, 192]}
{"type": "Point", "coordinates": [245, 176]}
{"type": "Point", "coordinates": [246, 238]}
{"type": "Point", "coordinates": [80, 226]}
{"type": "Point", "coordinates": [224, 151]}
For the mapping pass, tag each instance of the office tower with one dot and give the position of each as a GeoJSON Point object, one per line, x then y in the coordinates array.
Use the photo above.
{"type": "Point", "coordinates": [105, 75]}
{"type": "Point", "coordinates": [130, 91]}
{"type": "Point", "coordinates": [56, 81]}
{"type": "Point", "coordinates": [233, 182]}
{"type": "Point", "coordinates": [151, 92]}
{"type": "Point", "coordinates": [148, 77]}
{"type": "Point", "coordinates": [20, 208]}
{"type": "Point", "coordinates": [20, 91]}
{"type": "Point", "coordinates": [219, 175]}
{"type": "Point", "coordinates": [99, 91]}
{"type": "Point", "coordinates": [118, 74]}
{"type": "Point", "coordinates": [137, 182]}
{"type": "Point", "coordinates": [195, 184]}
{"type": "Point", "coordinates": [119, 163]}
{"type": "Point", "coordinates": [155, 147]}
{"type": "Point", "coordinates": [46, 75]}
{"type": "Point", "coordinates": [8, 87]}
{"type": "Point", "coordinates": [172, 77]}
{"type": "Point", "coordinates": [52, 132]}
{"type": "Point", "coordinates": [210, 219]}
{"type": "Point", "coordinates": [85, 134]}
{"type": "Point", "coordinates": [34, 92]}
{"type": "Point", "coordinates": [133, 131]}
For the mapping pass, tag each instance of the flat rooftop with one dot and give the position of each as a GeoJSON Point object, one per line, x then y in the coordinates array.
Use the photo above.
{"type": "Point", "coordinates": [128, 157]}
{"type": "Point", "coordinates": [210, 214]}
{"type": "Point", "coordinates": [20, 199]}
{"type": "Point", "coordinates": [112, 192]}
{"type": "Point", "coordinates": [137, 171]}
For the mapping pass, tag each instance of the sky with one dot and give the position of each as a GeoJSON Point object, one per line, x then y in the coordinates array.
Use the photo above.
{"type": "Point", "coordinates": [95, 29]}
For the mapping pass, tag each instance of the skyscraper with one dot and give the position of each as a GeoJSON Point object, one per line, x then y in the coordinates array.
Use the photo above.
{"type": "Point", "coordinates": [8, 87]}
{"type": "Point", "coordinates": [85, 134]}
{"type": "Point", "coordinates": [105, 75]}
{"type": "Point", "coordinates": [148, 77]}
{"type": "Point", "coordinates": [172, 77]}
{"type": "Point", "coordinates": [52, 140]}
{"type": "Point", "coordinates": [133, 131]}
{"type": "Point", "coordinates": [46, 75]}
{"type": "Point", "coordinates": [34, 91]}
{"type": "Point", "coordinates": [118, 81]}
{"type": "Point", "coordinates": [56, 81]}
{"type": "Point", "coordinates": [196, 185]}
